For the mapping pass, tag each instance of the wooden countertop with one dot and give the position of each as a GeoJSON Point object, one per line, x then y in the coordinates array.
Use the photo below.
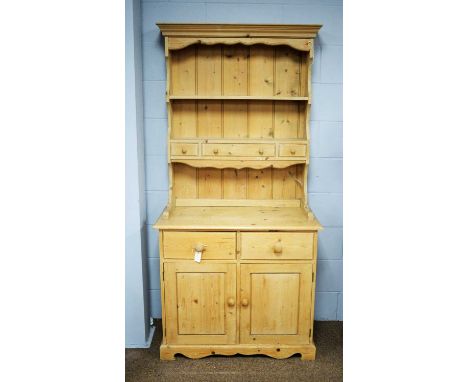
{"type": "Point", "coordinates": [239, 218]}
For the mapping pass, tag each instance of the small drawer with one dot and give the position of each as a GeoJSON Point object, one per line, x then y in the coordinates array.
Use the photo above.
{"type": "Point", "coordinates": [216, 245]}
{"type": "Point", "coordinates": [277, 245]}
{"type": "Point", "coordinates": [292, 150]}
{"type": "Point", "coordinates": [240, 150]}
{"type": "Point", "coordinates": [184, 149]}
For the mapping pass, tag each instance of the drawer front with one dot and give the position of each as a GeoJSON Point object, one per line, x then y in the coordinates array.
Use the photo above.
{"type": "Point", "coordinates": [241, 150]}
{"type": "Point", "coordinates": [184, 149]}
{"type": "Point", "coordinates": [276, 245]}
{"type": "Point", "coordinates": [217, 245]}
{"type": "Point", "coordinates": [292, 150]}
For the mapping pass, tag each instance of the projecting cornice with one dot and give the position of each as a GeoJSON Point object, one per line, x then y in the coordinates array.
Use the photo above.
{"type": "Point", "coordinates": [303, 31]}
{"type": "Point", "coordinates": [297, 36]}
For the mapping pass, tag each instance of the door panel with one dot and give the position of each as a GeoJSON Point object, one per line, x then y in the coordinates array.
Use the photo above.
{"type": "Point", "coordinates": [200, 303]}
{"type": "Point", "coordinates": [275, 303]}
{"type": "Point", "coordinates": [199, 297]}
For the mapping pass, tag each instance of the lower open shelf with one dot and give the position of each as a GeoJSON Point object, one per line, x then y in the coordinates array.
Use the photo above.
{"type": "Point", "coordinates": [168, 352]}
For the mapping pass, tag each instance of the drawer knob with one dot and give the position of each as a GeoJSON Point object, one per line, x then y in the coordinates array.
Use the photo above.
{"type": "Point", "coordinates": [215, 151]}
{"type": "Point", "coordinates": [278, 247]}
{"type": "Point", "coordinates": [260, 151]}
{"type": "Point", "coordinates": [184, 150]}
{"type": "Point", "coordinates": [245, 302]}
{"type": "Point", "coordinates": [293, 151]}
{"type": "Point", "coordinates": [231, 302]}
{"type": "Point", "coordinates": [199, 247]}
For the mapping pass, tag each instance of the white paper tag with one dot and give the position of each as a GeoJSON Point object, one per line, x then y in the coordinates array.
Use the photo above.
{"type": "Point", "coordinates": [197, 256]}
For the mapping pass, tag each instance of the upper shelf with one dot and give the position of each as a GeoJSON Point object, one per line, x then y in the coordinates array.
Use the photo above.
{"type": "Point", "coordinates": [230, 97]}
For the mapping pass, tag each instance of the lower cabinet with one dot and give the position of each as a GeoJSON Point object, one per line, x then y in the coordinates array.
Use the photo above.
{"type": "Point", "coordinates": [275, 303]}
{"type": "Point", "coordinates": [238, 306]}
{"type": "Point", "coordinates": [200, 303]}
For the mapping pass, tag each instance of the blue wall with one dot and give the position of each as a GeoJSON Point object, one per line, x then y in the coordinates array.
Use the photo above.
{"type": "Point", "coordinates": [326, 169]}
{"type": "Point", "coordinates": [137, 330]}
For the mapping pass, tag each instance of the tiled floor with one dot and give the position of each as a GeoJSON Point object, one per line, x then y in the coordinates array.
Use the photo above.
{"type": "Point", "coordinates": [144, 364]}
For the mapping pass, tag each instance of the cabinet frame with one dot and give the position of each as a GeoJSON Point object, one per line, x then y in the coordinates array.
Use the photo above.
{"type": "Point", "coordinates": [238, 99]}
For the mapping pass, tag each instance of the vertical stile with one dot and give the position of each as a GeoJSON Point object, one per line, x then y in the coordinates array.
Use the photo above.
{"type": "Point", "coordinates": [171, 201]}
{"type": "Point", "coordinates": [197, 134]}
{"type": "Point", "coordinates": [222, 90]}
{"type": "Point", "coordinates": [161, 277]}
{"type": "Point", "coordinates": [314, 270]}
{"type": "Point", "coordinates": [309, 105]}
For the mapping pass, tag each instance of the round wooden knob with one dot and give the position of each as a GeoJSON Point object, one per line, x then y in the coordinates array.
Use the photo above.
{"type": "Point", "coordinates": [245, 302]}
{"type": "Point", "coordinates": [215, 151]}
{"type": "Point", "coordinates": [184, 151]}
{"type": "Point", "coordinates": [199, 247]}
{"type": "Point", "coordinates": [293, 151]}
{"type": "Point", "coordinates": [278, 247]}
{"type": "Point", "coordinates": [231, 302]}
{"type": "Point", "coordinates": [260, 151]}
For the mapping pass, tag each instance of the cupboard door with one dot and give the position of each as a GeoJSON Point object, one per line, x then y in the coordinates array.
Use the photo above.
{"type": "Point", "coordinates": [200, 302]}
{"type": "Point", "coordinates": [275, 303]}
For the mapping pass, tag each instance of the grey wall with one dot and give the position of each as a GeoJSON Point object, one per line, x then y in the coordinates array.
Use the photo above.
{"type": "Point", "coordinates": [137, 331]}
{"type": "Point", "coordinates": [325, 175]}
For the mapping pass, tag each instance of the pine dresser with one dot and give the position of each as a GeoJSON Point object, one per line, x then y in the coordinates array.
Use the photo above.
{"type": "Point", "coordinates": [237, 240]}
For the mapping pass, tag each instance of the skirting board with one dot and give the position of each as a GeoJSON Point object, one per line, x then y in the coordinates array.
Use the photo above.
{"type": "Point", "coordinates": [144, 345]}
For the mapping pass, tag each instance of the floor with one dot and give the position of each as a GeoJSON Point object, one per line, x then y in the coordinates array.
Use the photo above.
{"type": "Point", "coordinates": [144, 364]}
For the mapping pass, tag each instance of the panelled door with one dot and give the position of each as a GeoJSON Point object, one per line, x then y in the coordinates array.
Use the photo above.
{"type": "Point", "coordinates": [275, 303]}
{"type": "Point", "coordinates": [200, 303]}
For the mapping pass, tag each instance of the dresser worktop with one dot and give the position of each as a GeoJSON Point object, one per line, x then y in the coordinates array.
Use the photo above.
{"type": "Point", "coordinates": [239, 218]}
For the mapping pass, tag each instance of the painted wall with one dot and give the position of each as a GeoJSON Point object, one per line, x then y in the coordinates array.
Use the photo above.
{"type": "Point", "coordinates": [137, 330]}
{"type": "Point", "coordinates": [326, 169]}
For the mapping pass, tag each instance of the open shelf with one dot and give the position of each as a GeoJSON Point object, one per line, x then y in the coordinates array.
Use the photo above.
{"type": "Point", "coordinates": [259, 163]}
{"type": "Point", "coordinates": [231, 97]}
{"type": "Point", "coordinates": [237, 140]}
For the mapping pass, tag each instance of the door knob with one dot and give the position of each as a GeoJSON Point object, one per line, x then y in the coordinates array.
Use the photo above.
{"type": "Point", "coordinates": [278, 247]}
{"type": "Point", "coordinates": [245, 302]}
{"type": "Point", "coordinates": [199, 247]}
{"type": "Point", "coordinates": [231, 302]}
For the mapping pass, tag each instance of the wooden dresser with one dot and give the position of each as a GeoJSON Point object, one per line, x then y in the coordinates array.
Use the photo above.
{"type": "Point", "coordinates": [238, 242]}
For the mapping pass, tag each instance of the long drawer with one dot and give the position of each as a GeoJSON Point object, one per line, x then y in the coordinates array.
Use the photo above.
{"type": "Point", "coordinates": [276, 245]}
{"type": "Point", "coordinates": [216, 245]}
{"type": "Point", "coordinates": [238, 149]}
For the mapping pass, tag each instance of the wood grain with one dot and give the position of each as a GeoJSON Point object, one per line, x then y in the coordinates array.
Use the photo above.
{"type": "Point", "coordinates": [280, 286]}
